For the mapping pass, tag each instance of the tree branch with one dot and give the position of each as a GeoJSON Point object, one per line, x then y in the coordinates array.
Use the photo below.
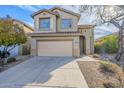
{"type": "Point", "coordinates": [118, 16]}
{"type": "Point", "coordinates": [12, 48]}
{"type": "Point", "coordinates": [119, 19]}
{"type": "Point", "coordinates": [115, 23]}
{"type": "Point", "coordinates": [122, 25]}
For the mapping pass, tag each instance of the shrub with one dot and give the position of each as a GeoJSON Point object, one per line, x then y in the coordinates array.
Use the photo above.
{"type": "Point", "coordinates": [119, 74]}
{"type": "Point", "coordinates": [106, 66]}
{"type": "Point", "coordinates": [11, 59]}
{"type": "Point", "coordinates": [107, 44]}
{"type": "Point", "coordinates": [111, 44]}
{"type": "Point", "coordinates": [111, 67]}
{"type": "Point", "coordinates": [108, 84]}
{"type": "Point", "coordinates": [97, 48]}
{"type": "Point", "coordinates": [114, 70]}
{"type": "Point", "coordinates": [4, 54]}
{"type": "Point", "coordinates": [96, 56]}
{"type": "Point", "coordinates": [25, 50]}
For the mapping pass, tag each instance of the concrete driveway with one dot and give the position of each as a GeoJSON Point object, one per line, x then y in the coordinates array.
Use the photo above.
{"type": "Point", "coordinates": [44, 72]}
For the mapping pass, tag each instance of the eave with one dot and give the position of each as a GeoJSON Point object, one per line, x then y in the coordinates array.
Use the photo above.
{"type": "Point", "coordinates": [86, 26]}
{"type": "Point", "coordinates": [56, 34]}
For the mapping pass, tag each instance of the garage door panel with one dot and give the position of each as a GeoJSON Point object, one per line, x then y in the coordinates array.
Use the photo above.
{"type": "Point", "coordinates": [54, 48]}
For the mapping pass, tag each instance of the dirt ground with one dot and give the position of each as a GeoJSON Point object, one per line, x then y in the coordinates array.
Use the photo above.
{"type": "Point", "coordinates": [93, 74]}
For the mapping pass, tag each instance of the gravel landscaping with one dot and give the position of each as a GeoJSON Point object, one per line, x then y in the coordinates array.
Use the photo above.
{"type": "Point", "coordinates": [91, 73]}
{"type": "Point", "coordinates": [96, 78]}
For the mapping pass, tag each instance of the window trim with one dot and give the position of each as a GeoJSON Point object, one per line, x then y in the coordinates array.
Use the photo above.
{"type": "Point", "coordinates": [66, 27]}
{"type": "Point", "coordinates": [43, 29]}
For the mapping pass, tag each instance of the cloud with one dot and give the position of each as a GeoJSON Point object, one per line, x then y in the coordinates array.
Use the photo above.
{"type": "Point", "coordinates": [74, 8]}
{"type": "Point", "coordinates": [28, 7]}
{"type": "Point", "coordinates": [104, 30]}
{"type": "Point", "coordinates": [44, 6]}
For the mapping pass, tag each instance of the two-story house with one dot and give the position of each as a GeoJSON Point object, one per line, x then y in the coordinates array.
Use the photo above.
{"type": "Point", "coordinates": [57, 33]}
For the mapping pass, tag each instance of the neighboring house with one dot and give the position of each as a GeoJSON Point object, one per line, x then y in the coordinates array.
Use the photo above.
{"type": "Point", "coordinates": [25, 48]}
{"type": "Point", "coordinates": [57, 33]}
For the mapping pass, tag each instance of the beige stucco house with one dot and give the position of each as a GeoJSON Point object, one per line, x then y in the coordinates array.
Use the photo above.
{"type": "Point", "coordinates": [57, 33]}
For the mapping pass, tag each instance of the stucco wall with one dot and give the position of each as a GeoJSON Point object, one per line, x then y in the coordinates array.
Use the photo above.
{"type": "Point", "coordinates": [76, 48]}
{"type": "Point", "coordinates": [64, 15]}
{"type": "Point", "coordinates": [26, 29]}
{"type": "Point", "coordinates": [45, 15]}
{"type": "Point", "coordinates": [55, 22]}
{"type": "Point", "coordinates": [55, 26]}
{"type": "Point", "coordinates": [89, 40]}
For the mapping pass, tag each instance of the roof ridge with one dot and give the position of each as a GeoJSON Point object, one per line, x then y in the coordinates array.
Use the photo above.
{"type": "Point", "coordinates": [41, 10]}
{"type": "Point", "coordinates": [51, 11]}
{"type": "Point", "coordinates": [66, 10]}
{"type": "Point", "coordinates": [23, 23]}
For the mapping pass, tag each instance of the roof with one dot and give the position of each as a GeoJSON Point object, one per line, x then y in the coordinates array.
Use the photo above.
{"type": "Point", "coordinates": [51, 11]}
{"type": "Point", "coordinates": [28, 26]}
{"type": "Point", "coordinates": [43, 10]}
{"type": "Point", "coordinates": [65, 10]}
{"type": "Point", "coordinates": [86, 26]}
{"type": "Point", "coordinates": [35, 34]}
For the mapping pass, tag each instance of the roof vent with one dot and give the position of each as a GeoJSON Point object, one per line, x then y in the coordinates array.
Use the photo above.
{"type": "Point", "coordinates": [56, 12]}
{"type": "Point", "coordinates": [44, 13]}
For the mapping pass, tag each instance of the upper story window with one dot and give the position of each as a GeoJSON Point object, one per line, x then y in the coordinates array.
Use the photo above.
{"type": "Point", "coordinates": [44, 24]}
{"type": "Point", "coordinates": [66, 23]}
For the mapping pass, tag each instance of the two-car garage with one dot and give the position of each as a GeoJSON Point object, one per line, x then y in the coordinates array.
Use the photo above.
{"type": "Point", "coordinates": [57, 45]}
{"type": "Point", "coordinates": [55, 48]}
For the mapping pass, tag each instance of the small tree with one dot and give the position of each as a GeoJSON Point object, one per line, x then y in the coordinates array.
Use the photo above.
{"type": "Point", "coordinates": [106, 14]}
{"type": "Point", "coordinates": [109, 14]}
{"type": "Point", "coordinates": [11, 35]}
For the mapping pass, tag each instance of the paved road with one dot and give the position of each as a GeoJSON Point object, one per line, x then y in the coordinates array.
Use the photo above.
{"type": "Point", "coordinates": [44, 72]}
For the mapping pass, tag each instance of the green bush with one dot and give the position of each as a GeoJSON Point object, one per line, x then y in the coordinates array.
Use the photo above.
{"type": "Point", "coordinates": [11, 59]}
{"type": "Point", "coordinates": [97, 48]}
{"type": "Point", "coordinates": [107, 44]}
{"type": "Point", "coordinates": [106, 66]}
{"type": "Point", "coordinates": [25, 50]}
{"type": "Point", "coordinates": [111, 44]}
{"type": "Point", "coordinates": [108, 84]}
{"type": "Point", "coordinates": [111, 69]}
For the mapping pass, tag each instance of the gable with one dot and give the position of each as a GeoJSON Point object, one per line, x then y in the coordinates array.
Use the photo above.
{"type": "Point", "coordinates": [44, 12]}
{"type": "Point", "coordinates": [64, 14]}
{"type": "Point", "coordinates": [65, 11]}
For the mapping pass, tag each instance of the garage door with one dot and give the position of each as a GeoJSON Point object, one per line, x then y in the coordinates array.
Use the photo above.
{"type": "Point", "coordinates": [54, 48]}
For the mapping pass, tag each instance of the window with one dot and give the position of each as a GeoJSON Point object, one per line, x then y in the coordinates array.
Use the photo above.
{"type": "Point", "coordinates": [66, 23]}
{"type": "Point", "coordinates": [45, 23]}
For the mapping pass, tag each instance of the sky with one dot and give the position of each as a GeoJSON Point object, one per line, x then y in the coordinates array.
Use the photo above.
{"type": "Point", "coordinates": [23, 13]}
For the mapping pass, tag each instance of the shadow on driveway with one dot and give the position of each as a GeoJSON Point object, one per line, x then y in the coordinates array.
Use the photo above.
{"type": "Point", "coordinates": [36, 70]}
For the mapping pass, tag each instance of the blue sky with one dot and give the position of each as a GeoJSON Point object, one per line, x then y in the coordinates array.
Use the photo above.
{"type": "Point", "coordinates": [23, 13]}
